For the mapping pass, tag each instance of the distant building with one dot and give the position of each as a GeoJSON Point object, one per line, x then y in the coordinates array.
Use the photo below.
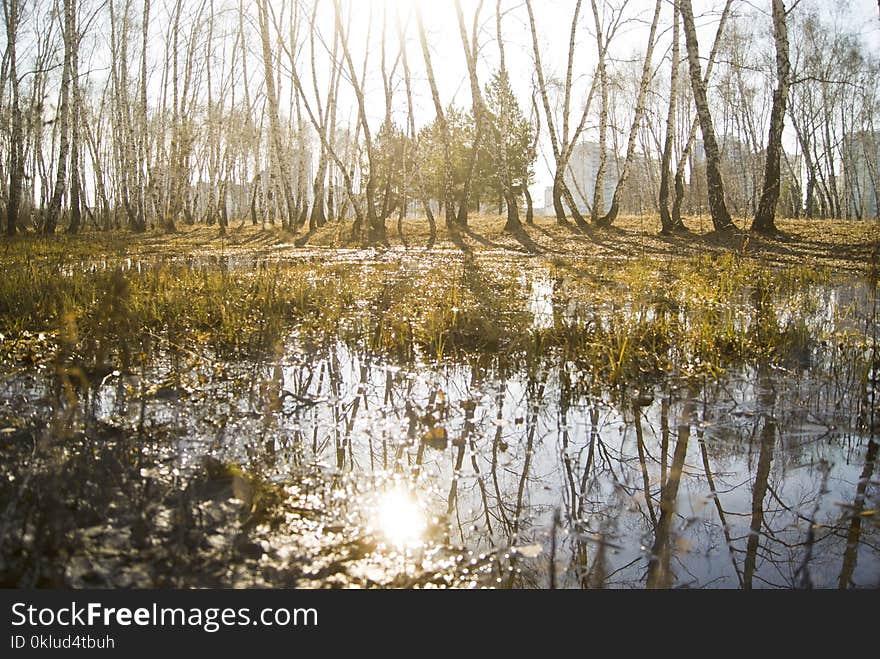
{"type": "Point", "coordinates": [741, 170]}
{"type": "Point", "coordinates": [864, 178]}
{"type": "Point", "coordinates": [581, 176]}
{"type": "Point", "coordinates": [638, 195]}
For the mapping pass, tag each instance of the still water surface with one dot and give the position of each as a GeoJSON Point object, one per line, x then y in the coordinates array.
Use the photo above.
{"type": "Point", "coordinates": [537, 475]}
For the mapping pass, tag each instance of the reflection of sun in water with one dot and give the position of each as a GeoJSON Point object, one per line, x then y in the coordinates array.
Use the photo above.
{"type": "Point", "coordinates": [400, 518]}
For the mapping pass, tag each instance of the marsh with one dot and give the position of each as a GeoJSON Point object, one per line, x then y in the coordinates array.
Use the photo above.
{"type": "Point", "coordinates": [322, 417]}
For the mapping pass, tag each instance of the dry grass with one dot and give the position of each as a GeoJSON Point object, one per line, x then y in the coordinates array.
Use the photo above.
{"type": "Point", "coordinates": [838, 244]}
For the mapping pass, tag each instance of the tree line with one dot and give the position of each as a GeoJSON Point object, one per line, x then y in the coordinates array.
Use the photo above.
{"type": "Point", "coordinates": [130, 113]}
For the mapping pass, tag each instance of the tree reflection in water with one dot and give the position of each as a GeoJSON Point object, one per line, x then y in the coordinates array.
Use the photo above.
{"type": "Point", "coordinates": [762, 476]}
{"type": "Point", "coordinates": [759, 479]}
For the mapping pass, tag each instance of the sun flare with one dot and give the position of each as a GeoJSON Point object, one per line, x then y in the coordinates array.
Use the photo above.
{"type": "Point", "coordinates": [400, 518]}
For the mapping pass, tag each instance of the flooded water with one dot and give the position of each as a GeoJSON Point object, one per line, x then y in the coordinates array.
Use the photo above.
{"type": "Point", "coordinates": [473, 471]}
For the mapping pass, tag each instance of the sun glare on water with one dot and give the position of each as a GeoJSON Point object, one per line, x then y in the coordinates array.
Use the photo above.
{"type": "Point", "coordinates": [400, 518]}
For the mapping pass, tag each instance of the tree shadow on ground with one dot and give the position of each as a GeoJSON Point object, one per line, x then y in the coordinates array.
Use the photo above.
{"type": "Point", "coordinates": [303, 240]}
{"type": "Point", "coordinates": [783, 248]}
{"type": "Point", "coordinates": [564, 226]}
{"type": "Point", "coordinates": [455, 237]}
{"type": "Point", "coordinates": [523, 238]}
{"type": "Point", "coordinates": [485, 242]}
{"type": "Point", "coordinates": [841, 245]}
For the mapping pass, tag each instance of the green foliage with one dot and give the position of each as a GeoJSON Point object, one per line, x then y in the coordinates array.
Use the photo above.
{"type": "Point", "coordinates": [511, 138]}
{"type": "Point", "coordinates": [432, 156]}
{"type": "Point", "coordinates": [392, 147]}
{"type": "Point", "coordinates": [504, 158]}
{"type": "Point", "coordinates": [504, 141]}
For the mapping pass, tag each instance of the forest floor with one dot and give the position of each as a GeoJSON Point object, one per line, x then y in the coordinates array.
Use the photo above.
{"type": "Point", "coordinates": [837, 244]}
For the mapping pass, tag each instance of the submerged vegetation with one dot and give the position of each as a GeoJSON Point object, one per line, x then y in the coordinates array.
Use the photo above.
{"type": "Point", "coordinates": [434, 418]}
{"type": "Point", "coordinates": [621, 320]}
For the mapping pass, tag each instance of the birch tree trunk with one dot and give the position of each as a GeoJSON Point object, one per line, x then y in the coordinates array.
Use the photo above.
{"type": "Point", "coordinates": [666, 223]}
{"type": "Point", "coordinates": [563, 144]}
{"type": "Point", "coordinates": [413, 135]}
{"type": "Point", "coordinates": [765, 218]}
{"type": "Point", "coordinates": [75, 203]}
{"type": "Point", "coordinates": [318, 217]}
{"type": "Point", "coordinates": [449, 197]}
{"type": "Point", "coordinates": [558, 181]}
{"type": "Point", "coordinates": [720, 217]}
{"type": "Point", "coordinates": [376, 225]}
{"type": "Point", "coordinates": [689, 142]}
{"type": "Point", "coordinates": [482, 123]}
{"type": "Point", "coordinates": [599, 185]}
{"type": "Point", "coordinates": [530, 206]}
{"type": "Point", "coordinates": [608, 219]}
{"type": "Point", "coordinates": [278, 151]}
{"type": "Point", "coordinates": [328, 143]}
{"type": "Point", "coordinates": [12, 16]}
{"type": "Point", "coordinates": [511, 198]}
{"type": "Point", "coordinates": [61, 183]}
{"type": "Point", "coordinates": [143, 146]}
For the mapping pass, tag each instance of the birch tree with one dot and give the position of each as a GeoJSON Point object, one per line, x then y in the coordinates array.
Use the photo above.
{"type": "Point", "coordinates": [678, 197]}
{"type": "Point", "coordinates": [562, 140]}
{"type": "Point", "coordinates": [279, 152]}
{"type": "Point", "coordinates": [376, 224]}
{"type": "Point", "coordinates": [64, 122]}
{"type": "Point", "coordinates": [720, 216]}
{"type": "Point", "coordinates": [764, 221]}
{"type": "Point", "coordinates": [418, 177]}
{"type": "Point", "coordinates": [666, 221]}
{"type": "Point", "coordinates": [12, 14]}
{"type": "Point", "coordinates": [608, 218]}
{"type": "Point", "coordinates": [448, 196]}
